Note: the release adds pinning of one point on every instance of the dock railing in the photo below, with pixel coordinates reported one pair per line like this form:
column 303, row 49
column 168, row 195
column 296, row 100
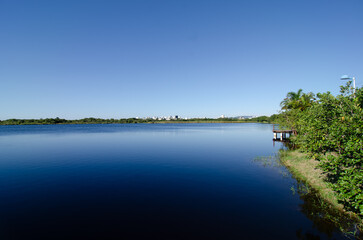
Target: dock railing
column 282, row 133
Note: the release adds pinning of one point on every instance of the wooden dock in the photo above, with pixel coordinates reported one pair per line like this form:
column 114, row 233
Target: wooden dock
column 282, row 134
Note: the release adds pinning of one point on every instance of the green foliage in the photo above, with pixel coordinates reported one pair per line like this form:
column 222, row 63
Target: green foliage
column 330, row 129
column 297, row 100
column 261, row 119
column 64, row 121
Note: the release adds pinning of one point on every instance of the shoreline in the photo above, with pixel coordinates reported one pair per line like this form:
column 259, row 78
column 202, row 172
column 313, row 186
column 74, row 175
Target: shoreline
column 306, row 169
column 92, row 120
column 156, row 122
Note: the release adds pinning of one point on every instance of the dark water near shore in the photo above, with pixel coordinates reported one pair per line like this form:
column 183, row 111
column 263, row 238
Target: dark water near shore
column 147, row 181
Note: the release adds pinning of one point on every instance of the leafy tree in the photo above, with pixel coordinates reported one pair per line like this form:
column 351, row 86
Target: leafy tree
column 330, row 129
column 297, row 100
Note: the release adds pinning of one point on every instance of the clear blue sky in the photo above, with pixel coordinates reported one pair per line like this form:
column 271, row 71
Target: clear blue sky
column 117, row 59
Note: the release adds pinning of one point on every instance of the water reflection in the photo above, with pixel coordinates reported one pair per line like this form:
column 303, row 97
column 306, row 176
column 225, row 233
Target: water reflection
column 300, row 234
column 325, row 218
column 173, row 181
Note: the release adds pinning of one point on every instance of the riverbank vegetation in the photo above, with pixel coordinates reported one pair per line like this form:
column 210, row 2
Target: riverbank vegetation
column 261, row 119
column 307, row 169
column 329, row 133
column 323, row 203
column 319, row 202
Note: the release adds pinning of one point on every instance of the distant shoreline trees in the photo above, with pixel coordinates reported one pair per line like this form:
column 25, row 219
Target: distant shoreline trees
column 52, row 121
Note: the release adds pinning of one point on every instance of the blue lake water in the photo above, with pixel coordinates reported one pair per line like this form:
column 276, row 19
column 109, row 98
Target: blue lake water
column 147, row 181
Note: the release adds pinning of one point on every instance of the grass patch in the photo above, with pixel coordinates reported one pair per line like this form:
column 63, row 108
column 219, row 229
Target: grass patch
column 307, row 170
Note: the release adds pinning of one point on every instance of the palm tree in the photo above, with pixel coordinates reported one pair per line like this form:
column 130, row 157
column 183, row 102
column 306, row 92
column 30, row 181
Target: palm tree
column 306, row 100
column 291, row 100
column 297, row 100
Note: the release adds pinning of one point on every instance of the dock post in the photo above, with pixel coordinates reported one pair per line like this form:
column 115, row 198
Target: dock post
column 275, row 135
column 281, row 137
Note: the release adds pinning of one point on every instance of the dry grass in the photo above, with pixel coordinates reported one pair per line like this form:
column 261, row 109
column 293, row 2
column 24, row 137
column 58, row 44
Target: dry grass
column 307, row 170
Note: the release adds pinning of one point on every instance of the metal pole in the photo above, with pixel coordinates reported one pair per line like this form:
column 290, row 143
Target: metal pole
column 353, row 85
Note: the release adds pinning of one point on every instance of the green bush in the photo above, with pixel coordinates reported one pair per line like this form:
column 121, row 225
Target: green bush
column 330, row 130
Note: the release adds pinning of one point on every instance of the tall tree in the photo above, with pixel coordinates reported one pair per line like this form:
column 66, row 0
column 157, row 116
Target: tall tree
column 297, row 100
column 291, row 100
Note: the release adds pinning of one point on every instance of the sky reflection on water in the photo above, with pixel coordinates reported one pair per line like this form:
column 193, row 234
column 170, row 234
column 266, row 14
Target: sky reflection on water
column 161, row 181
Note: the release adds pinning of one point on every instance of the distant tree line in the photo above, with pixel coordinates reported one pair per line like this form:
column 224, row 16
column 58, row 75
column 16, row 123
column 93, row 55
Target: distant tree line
column 91, row 120
column 48, row 121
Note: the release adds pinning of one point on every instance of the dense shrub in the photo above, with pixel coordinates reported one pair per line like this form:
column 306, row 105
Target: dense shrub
column 330, row 129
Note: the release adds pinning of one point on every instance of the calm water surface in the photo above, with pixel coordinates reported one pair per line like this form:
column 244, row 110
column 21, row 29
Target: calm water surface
column 147, row 181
